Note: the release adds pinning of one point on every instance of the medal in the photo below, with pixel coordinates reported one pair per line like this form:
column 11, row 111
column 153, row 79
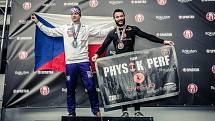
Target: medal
column 75, row 43
column 120, row 44
column 75, row 35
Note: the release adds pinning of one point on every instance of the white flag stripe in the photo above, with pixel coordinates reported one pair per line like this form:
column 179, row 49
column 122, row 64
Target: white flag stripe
column 99, row 22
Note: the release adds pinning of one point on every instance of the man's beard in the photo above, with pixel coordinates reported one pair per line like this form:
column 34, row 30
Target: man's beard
column 120, row 25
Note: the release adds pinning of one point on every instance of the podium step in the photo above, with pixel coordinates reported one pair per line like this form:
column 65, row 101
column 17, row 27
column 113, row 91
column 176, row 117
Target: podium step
column 67, row 118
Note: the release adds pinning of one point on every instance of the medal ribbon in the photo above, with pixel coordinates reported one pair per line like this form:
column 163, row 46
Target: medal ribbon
column 75, row 35
column 123, row 32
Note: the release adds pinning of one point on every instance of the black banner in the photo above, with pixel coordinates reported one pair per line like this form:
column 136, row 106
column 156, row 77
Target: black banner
column 138, row 76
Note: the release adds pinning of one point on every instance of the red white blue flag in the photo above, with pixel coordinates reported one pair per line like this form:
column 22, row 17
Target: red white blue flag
column 49, row 51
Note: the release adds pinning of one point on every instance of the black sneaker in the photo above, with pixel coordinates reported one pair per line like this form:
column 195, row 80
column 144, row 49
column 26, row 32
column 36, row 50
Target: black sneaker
column 125, row 114
column 138, row 114
column 71, row 115
column 97, row 114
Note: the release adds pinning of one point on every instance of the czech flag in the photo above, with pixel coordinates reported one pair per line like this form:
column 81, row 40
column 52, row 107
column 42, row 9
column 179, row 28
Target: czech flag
column 49, row 51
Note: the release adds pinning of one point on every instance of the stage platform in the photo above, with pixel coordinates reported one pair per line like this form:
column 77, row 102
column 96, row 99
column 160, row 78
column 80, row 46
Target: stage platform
column 158, row 114
column 66, row 118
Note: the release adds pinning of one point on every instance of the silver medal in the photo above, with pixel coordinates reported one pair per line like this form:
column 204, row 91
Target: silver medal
column 74, row 43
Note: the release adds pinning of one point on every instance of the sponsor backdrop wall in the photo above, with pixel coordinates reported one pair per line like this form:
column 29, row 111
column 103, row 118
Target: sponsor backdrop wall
column 189, row 23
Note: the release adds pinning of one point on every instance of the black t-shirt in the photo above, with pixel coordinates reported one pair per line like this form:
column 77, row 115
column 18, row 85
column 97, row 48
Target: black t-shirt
column 128, row 40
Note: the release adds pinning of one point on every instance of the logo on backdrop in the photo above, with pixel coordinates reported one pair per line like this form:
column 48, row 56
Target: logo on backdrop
column 23, row 55
column 188, row 34
column 70, row 4
column 186, row 17
column 210, row 51
column 210, row 16
column 19, row 91
column 192, row 88
column 213, row 69
column 162, row 17
column 45, row 72
column 44, row 90
column 184, row 1
column 190, row 70
column 26, row 5
column 139, row 18
column 164, row 34
column 115, row 2
column 93, row 3
column 138, row 1
column 24, row 22
column 22, row 73
column 208, row 0
column 161, row 2
column 189, row 51
column 24, row 38
column 210, row 34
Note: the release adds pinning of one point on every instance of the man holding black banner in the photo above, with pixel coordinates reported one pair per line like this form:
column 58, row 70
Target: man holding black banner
column 123, row 37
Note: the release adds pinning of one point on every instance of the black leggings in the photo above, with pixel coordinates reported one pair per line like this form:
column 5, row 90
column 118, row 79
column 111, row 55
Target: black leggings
column 136, row 107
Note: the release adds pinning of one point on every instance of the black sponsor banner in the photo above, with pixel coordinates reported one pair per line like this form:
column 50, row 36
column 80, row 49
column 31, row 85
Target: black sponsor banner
column 138, row 76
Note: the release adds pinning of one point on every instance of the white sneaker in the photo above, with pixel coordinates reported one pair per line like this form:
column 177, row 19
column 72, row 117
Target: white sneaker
column 125, row 114
column 138, row 114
